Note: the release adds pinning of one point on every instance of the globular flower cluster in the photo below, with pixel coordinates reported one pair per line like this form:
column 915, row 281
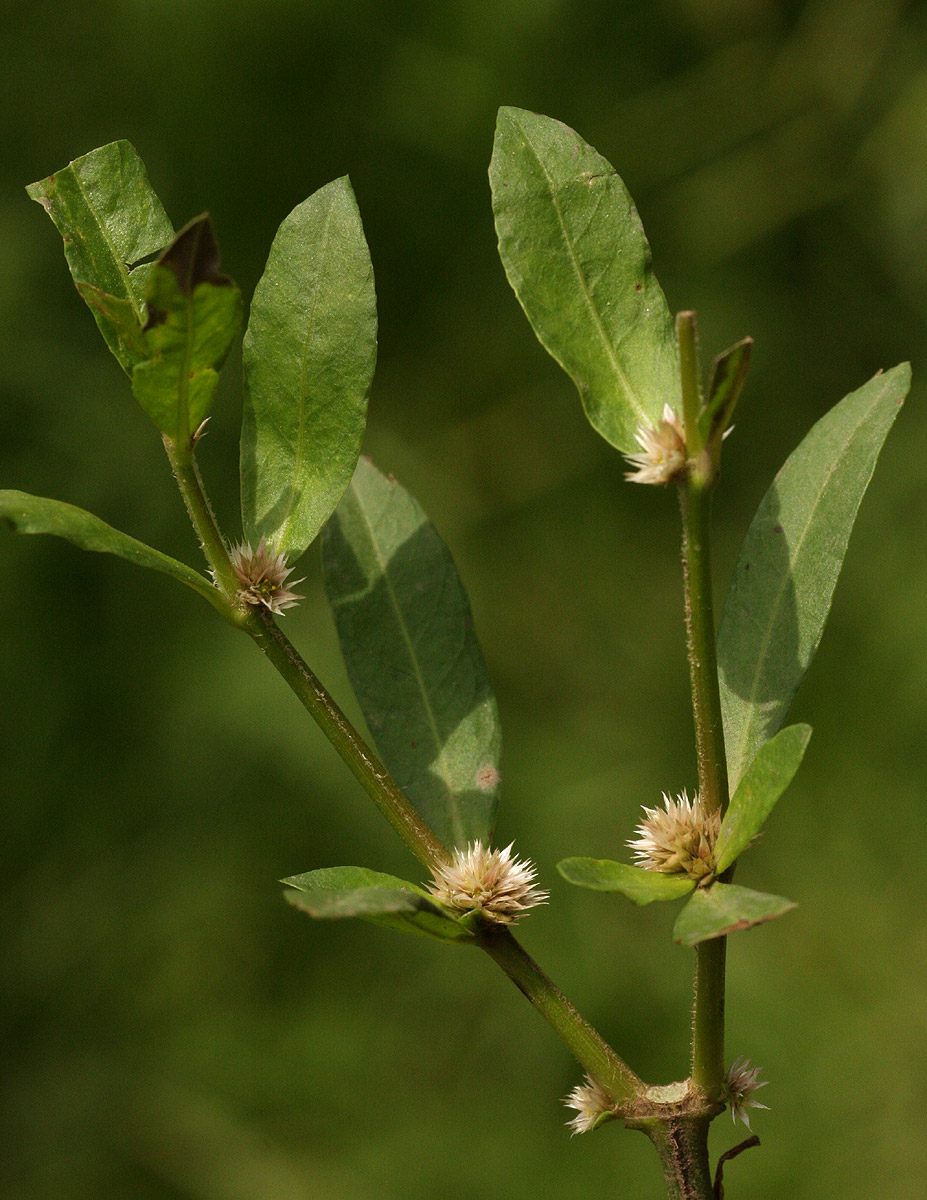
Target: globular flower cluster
column 262, row 575
column 739, row 1086
column 662, row 454
column 678, row 838
column 496, row 883
column 591, row 1103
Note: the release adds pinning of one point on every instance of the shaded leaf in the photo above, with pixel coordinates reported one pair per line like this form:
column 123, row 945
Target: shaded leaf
column 636, row 883
column 336, row 893
column 785, row 576
column 762, row 784
column 35, row 514
column 112, row 224
column 309, row 355
column 724, row 908
column 576, row 256
column 194, row 313
column 727, row 380
column 412, row 655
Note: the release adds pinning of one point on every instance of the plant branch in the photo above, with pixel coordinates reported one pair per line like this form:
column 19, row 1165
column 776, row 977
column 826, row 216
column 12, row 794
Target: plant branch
column 586, row 1044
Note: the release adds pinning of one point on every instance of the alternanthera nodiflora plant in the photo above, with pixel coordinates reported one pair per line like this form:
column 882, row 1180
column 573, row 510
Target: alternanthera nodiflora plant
column 575, row 253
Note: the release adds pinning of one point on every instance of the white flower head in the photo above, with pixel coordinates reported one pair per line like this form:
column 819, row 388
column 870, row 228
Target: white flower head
column 739, row 1086
column 678, row 838
column 499, row 885
column 662, row 454
column 262, row 575
column 592, row 1105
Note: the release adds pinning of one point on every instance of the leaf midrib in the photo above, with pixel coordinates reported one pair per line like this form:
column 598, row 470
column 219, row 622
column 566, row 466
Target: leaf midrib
column 750, row 699
column 596, row 317
column 404, row 629
column 121, row 266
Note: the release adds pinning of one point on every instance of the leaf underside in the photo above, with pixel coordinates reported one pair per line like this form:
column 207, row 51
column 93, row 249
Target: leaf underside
column 785, row 576
column 635, row 883
column 309, row 354
column 337, row 893
column 412, row 655
column 36, row 514
column 575, row 253
column 725, row 908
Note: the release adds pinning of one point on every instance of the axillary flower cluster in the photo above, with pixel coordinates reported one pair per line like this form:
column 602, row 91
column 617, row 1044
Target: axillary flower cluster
column 662, row 454
column 262, row 576
column 494, row 882
column 678, row 838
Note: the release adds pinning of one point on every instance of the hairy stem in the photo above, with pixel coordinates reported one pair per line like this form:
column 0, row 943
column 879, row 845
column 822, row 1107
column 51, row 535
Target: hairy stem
column 586, row 1044
column 682, row 1145
column 188, row 479
column 695, row 497
column 362, row 762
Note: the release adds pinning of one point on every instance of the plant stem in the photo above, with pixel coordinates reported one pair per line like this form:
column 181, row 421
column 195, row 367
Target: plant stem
column 592, row 1051
column 188, row 479
column 363, row 763
column 586, row 1044
column 683, row 1149
column 695, row 498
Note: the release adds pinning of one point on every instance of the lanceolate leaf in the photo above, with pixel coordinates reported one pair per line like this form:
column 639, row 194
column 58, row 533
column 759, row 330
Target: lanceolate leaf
column 575, row 253
column 309, row 355
column 724, row 908
column 113, row 224
column 35, row 514
column 637, row 884
column 785, row 577
column 194, row 312
column 412, row 655
column 763, row 783
column 336, row 893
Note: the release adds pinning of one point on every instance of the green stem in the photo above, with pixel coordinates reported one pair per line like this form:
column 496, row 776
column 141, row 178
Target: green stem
column 586, row 1044
column 592, row 1051
column 363, row 763
column 188, row 479
column 695, row 497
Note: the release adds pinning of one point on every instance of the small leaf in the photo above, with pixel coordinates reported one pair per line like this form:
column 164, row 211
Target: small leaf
column 763, row 783
column 335, row 893
column 576, row 256
column 785, row 577
column 727, row 380
column 35, row 514
column 112, row 224
column 637, row 884
column 194, row 313
column 723, row 908
column 412, row 655
column 309, row 355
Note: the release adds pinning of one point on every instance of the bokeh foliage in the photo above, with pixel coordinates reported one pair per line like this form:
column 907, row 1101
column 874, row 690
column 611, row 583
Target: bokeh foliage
column 173, row 1030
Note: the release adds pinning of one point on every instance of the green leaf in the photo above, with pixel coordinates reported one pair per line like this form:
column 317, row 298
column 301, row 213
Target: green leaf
column 194, row 312
column 576, row 256
column 335, row 893
column 724, row 908
column 637, row 884
column 727, row 380
column 35, row 514
column 112, row 224
column 785, row 577
column 412, row 655
column 763, row 783
column 309, row 356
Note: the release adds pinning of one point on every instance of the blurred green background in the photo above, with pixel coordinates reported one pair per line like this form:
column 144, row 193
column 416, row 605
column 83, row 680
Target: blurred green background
column 172, row 1030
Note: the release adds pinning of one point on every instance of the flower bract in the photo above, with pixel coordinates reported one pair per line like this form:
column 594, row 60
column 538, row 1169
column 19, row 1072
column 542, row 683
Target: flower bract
column 662, row 454
column 263, row 576
column 677, row 838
